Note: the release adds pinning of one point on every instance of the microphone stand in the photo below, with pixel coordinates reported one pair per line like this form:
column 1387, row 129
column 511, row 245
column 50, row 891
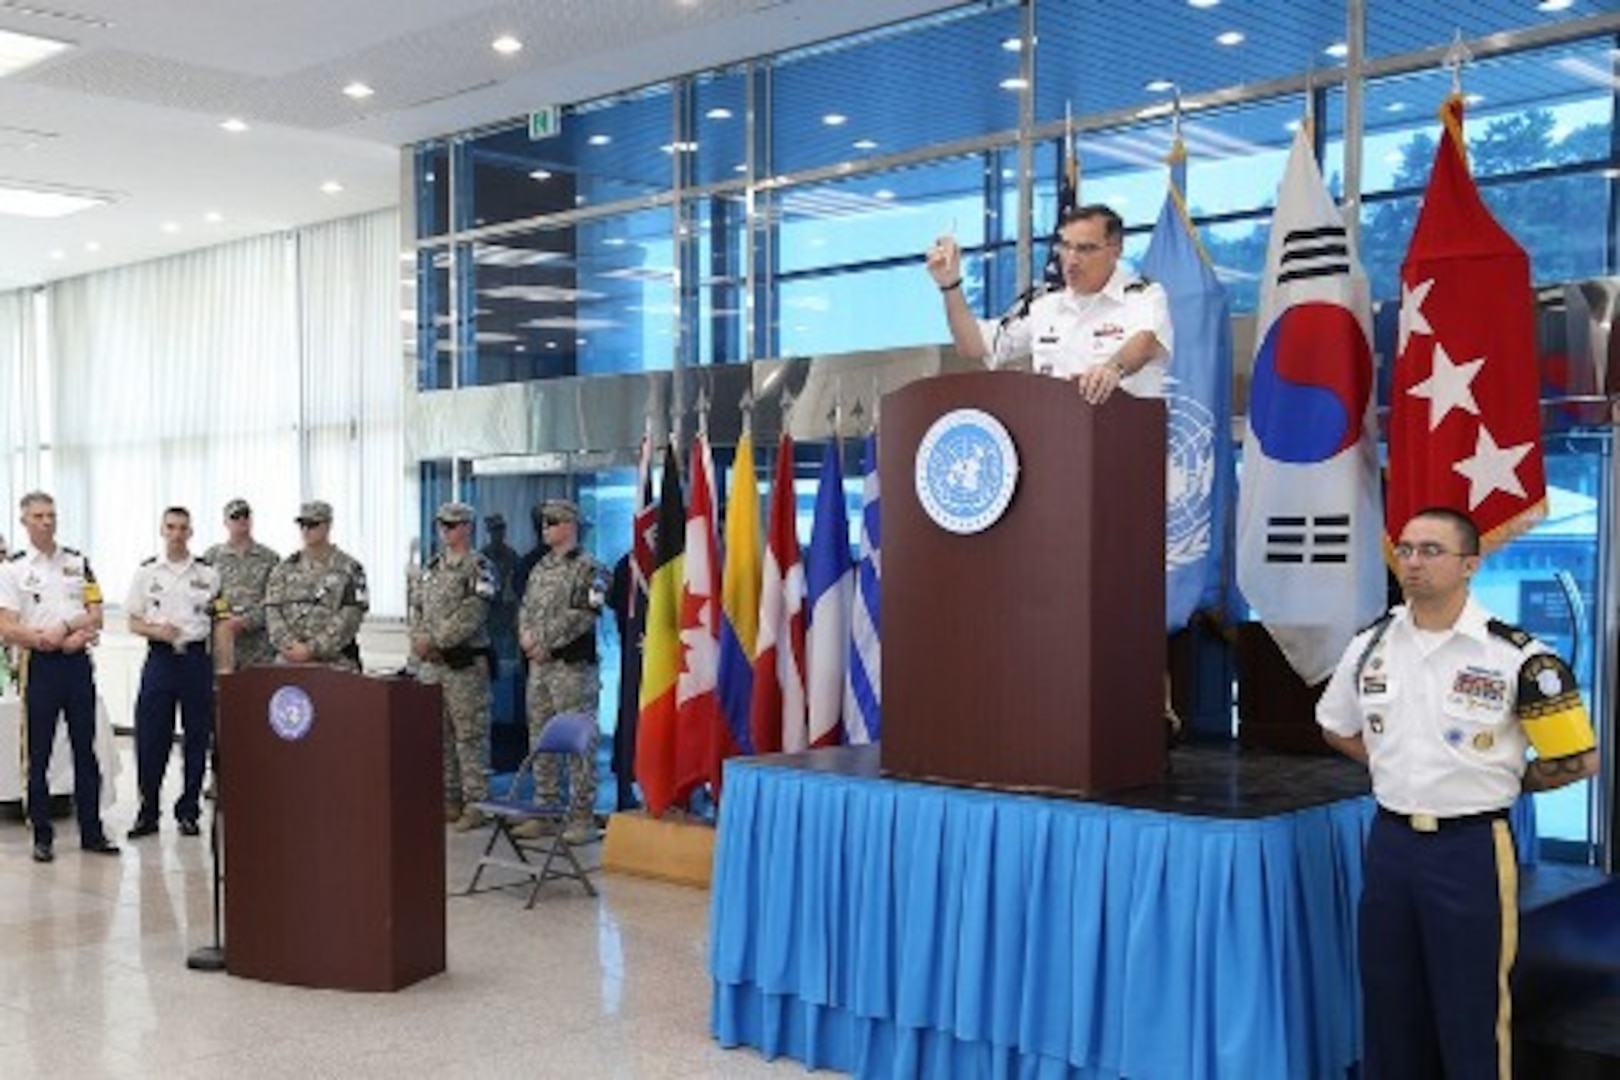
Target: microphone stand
column 211, row 957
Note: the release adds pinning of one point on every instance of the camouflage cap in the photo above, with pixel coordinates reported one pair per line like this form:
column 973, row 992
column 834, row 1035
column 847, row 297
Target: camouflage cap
column 454, row 513
column 238, row 508
column 314, row 512
column 560, row 510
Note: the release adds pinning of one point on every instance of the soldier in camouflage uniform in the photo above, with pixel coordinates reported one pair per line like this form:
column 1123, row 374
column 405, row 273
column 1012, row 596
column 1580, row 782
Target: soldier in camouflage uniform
column 557, row 632
column 316, row 598
column 450, row 638
column 244, row 567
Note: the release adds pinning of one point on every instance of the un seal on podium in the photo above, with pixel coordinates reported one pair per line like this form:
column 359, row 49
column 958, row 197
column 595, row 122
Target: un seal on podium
column 292, row 713
column 966, row 471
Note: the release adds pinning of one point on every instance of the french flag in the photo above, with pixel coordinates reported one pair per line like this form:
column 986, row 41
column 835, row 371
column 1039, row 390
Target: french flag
column 830, row 585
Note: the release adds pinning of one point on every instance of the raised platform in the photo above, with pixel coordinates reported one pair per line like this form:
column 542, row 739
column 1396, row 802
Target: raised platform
column 678, row 850
column 1202, row 926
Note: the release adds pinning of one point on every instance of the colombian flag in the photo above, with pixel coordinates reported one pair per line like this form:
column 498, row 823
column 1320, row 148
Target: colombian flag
column 739, row 602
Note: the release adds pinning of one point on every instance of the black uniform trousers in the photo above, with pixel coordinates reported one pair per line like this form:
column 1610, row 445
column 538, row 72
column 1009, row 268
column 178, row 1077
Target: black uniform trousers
column 1438, row 935
column 173, row 678
column 62, row 684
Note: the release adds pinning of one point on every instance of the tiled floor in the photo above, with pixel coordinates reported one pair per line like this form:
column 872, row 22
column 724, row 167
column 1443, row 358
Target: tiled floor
column 93, row 980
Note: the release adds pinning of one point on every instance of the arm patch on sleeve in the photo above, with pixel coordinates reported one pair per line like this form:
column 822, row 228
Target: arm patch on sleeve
column 1551, row 710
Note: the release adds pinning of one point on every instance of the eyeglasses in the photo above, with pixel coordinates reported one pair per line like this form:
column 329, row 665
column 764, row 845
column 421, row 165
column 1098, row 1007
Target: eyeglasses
column 1425, row 551
column 1084, row 247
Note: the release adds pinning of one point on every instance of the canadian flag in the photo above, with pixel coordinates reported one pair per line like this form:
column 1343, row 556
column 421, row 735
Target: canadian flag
column 1465, row 421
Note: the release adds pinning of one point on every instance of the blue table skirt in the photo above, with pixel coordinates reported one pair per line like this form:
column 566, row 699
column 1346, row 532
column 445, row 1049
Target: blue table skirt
column 886, row 928
column 894, row 929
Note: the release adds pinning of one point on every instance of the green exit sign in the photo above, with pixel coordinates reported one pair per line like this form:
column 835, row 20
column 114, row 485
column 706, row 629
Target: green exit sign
column 544, row 123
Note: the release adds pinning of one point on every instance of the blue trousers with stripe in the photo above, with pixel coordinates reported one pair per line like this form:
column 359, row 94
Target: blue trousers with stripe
column 169, row 679
column 1438, row 934
column 58, row 684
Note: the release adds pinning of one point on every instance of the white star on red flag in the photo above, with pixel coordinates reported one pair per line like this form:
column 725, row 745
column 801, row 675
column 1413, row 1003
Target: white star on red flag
column 1412, row 320
column 1449, row 386
column 1492, row 468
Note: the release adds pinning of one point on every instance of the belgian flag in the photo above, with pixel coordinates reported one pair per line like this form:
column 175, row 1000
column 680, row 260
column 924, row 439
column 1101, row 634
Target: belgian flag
column 661, row 657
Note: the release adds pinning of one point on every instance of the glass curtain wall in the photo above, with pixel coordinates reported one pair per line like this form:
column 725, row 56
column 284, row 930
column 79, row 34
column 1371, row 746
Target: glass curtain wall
column 779, row 207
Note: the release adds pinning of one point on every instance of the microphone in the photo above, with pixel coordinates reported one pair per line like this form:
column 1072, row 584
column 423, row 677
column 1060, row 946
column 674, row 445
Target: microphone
column 1019, row 308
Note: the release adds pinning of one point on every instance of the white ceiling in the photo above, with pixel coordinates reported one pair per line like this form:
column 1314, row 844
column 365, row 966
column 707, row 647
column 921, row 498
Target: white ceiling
column 133, row 110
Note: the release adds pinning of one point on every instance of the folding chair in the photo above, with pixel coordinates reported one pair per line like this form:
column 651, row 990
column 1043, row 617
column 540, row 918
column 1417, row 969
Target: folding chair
column 564, row 734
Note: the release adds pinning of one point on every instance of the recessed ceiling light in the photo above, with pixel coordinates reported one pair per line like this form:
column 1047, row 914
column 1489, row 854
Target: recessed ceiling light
column 1202, row 3
column 58, row 254
column 883, row 193
column 739, row 168
column 1231, row 37
column 18, row 51
column 506, row 45
column 234, row 125
column 1338, row 50
column 213, row 217
column 718, row 114
column 833, row 119
column 1473, row 99
column 1159, row 86
column 1555, row 5
column 358, row 90
column 599, row 140
column 331, row 187
column 171, row 227
column 1395, row 107
column 92, row 245
column 540, row 174
column 23, row 200
column 1014, row 83
column 1292, row 125
column 865, row 144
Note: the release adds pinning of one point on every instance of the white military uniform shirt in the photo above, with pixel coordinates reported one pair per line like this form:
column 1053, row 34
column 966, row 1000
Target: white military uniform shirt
column 46, row 590
column 1066, row 332
column 176, row 594
column 1437, row 713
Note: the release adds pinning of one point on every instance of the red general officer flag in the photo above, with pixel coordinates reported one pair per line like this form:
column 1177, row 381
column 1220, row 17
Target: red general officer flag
column 1465, row 418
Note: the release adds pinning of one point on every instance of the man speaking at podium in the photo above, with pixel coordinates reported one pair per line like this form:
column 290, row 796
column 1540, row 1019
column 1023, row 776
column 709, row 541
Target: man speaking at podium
column 1105, row 329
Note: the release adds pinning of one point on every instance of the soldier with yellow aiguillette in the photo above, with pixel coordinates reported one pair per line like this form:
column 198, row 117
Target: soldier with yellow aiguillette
column 557, row 632
column 450, row 640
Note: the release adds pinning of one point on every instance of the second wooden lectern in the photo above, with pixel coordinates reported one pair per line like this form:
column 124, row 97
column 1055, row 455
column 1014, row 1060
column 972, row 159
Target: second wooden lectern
column 1029, row 655
column 331, row 794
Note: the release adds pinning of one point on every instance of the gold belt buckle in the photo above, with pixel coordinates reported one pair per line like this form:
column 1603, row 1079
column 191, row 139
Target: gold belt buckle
column 1424, row 823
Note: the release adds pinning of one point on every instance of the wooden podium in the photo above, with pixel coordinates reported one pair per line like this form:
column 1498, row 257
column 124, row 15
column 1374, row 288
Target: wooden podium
column 1031, row 655
column 331, row 801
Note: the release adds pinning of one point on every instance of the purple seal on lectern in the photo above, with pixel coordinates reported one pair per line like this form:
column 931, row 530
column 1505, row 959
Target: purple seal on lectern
column 292, row 714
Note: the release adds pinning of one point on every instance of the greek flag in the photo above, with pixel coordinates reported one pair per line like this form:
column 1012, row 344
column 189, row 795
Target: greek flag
column 863, row 690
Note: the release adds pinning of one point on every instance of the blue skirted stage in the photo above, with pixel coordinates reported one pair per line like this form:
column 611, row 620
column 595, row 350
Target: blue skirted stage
column 1202, row 928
